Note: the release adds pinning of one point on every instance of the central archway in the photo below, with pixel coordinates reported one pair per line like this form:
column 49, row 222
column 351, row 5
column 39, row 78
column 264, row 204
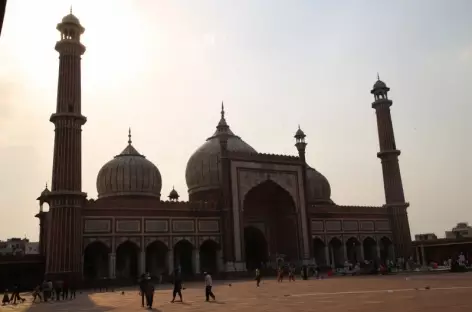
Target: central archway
column 156, row 258
column 255, row 248
column 127, row 260
column 96, row 260
column 272, row 208
column 183, row 257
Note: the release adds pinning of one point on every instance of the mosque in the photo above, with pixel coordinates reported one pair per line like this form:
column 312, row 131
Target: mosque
column 245, row 210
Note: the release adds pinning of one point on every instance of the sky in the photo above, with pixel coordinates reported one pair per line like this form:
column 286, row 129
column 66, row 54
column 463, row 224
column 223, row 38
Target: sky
column 164, row 67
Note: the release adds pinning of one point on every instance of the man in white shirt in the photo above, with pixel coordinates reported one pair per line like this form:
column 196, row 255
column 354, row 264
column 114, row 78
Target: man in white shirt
column 208, row 286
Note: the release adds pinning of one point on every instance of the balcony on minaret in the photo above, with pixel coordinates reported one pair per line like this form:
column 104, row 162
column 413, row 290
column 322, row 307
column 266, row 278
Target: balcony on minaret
column 71, row 30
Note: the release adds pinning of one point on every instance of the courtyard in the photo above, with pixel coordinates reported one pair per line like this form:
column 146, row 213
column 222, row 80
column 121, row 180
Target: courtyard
column 438, row 292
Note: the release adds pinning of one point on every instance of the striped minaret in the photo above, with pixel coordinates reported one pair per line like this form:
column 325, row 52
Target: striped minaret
column 64, row 248
column 394, row 196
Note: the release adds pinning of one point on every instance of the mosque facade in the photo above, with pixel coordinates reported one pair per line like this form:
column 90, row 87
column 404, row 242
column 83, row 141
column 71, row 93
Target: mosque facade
column 245, row 210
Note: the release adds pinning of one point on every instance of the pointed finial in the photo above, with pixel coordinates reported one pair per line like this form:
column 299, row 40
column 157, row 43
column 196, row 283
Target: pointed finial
column 378, row 77
column 173, row 187
column 71, row 9
column 222, row 110
column 46, row 185
column 129, row 136
column 299, row 127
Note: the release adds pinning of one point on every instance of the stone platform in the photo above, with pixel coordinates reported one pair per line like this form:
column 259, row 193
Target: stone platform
column 447, row 292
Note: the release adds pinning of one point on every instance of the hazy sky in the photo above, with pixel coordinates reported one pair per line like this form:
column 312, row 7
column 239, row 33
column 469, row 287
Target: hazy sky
column 163, row 68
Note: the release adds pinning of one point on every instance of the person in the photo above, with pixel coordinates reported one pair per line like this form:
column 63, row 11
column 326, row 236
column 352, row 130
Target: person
column 50, row 290
column 149, row 294
column 143, row 285
column 58, row 289
column 37, row 293
column 208, row 286
column 16, row 294
column 177, row 286
column 5, row 299
column 72, row 288
column 291, row 275
column 280, row 275
column 65, row 290
column 258, row 277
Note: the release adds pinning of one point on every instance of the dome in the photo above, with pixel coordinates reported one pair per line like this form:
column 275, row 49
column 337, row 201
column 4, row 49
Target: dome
column 318, row 188
column 173, row 195
column 379, row 84
column 203, row 167
column 70, row 19
column 129, row 173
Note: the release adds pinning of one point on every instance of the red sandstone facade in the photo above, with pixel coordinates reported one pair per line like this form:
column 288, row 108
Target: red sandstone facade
column 245, row 209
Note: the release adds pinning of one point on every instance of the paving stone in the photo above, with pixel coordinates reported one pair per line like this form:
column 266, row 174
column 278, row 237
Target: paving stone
column 448, row 292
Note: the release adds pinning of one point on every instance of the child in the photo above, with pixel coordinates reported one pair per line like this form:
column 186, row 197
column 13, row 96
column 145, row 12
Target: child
column 6, row 299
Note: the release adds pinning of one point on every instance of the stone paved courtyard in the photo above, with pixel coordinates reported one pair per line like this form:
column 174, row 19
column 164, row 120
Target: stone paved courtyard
column 448, row 292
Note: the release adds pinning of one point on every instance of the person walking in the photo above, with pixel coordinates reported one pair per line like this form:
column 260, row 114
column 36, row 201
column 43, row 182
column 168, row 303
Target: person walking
column 6, row 299
column 143, row 283
column 37, row 293
column 177, row 286
column 258, row 277
column 16, row 294
column 149, row 294
column 208, row 286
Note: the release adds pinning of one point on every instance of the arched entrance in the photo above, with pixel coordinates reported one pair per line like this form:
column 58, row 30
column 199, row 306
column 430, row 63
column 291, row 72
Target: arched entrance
column 270, row 207
column 353, row 249
column 96, row 260
column 209, row 256
column 255, row 248
column 183, row 252
column 127, row 260
column 336, row 252
column 386, row 249
column 370, row 249
column 319, row 248
column 156, row 258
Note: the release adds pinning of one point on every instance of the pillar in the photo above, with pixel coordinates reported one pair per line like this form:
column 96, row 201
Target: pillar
column 327, row 254
column 220, row 261
column 378, row 251
column 111, row 265
column 170, row 260
column 333, row 260
column 196, row 261
column 142, row 262
column 345, row 252
column 423, row 257
column 361, row 249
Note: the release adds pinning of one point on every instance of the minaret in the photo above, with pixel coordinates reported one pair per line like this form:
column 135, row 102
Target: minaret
column 394, row 196
column 300, row 143
column 64, row 252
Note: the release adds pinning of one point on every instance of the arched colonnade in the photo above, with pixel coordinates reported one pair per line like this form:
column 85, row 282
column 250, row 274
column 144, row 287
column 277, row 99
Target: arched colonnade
column 340, row 249
column 129, row 260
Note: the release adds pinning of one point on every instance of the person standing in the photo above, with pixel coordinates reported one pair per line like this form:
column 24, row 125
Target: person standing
column 37, row 293
column 149, row 294
column 142, row 288
column 258, row 277
column 65, row 290
column 5, row 299
column 177, row 286
column 208, row 286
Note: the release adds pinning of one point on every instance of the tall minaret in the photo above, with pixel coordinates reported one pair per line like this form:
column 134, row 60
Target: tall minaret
column 63, row 258
column 394, row 196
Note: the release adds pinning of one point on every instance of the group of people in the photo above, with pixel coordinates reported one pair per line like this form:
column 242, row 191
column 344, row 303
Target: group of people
column 15, row 296
column 147, row 289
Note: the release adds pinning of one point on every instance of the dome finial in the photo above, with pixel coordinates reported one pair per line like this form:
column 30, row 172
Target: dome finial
column 129, row 136
column 222, row 110
column 46, row 185
column 378, row 76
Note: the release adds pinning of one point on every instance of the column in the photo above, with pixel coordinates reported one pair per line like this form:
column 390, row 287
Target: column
column 361, row 248
column 345, row 252
column 196, row 261
column 333, row 260
column 219, row 260
column 170, row 260
column 111, row 265
column 423, row 258
column 142, row 262
column 327, row 254
column 378, row 251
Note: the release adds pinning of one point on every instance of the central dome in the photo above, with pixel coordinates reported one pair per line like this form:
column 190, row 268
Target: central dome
column 203, row 168
column 129, row 174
